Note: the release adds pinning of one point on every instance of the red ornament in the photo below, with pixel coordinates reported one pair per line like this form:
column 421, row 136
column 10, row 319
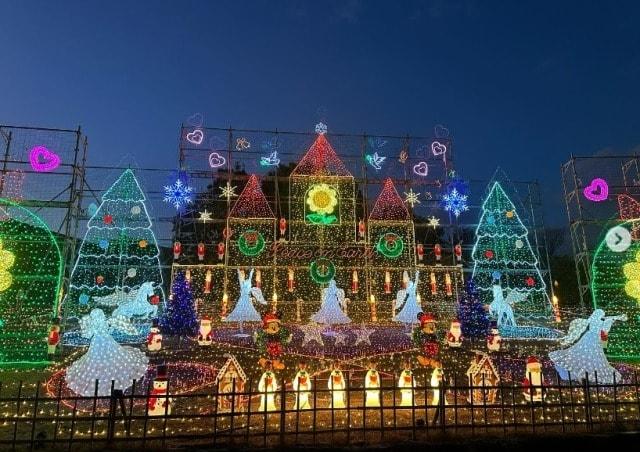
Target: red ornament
column 177, row 249
column 274, row 349
column 201, row 251
column 155, row 299
column 283, row 226
column 458, row 252
column 108, row 219
column 430, row 349
column 437, row 250
column 420, row 251
column 489, row 254
column 530, row 281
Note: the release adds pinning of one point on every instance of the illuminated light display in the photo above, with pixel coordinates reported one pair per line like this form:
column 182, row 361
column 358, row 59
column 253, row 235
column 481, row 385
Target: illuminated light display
column 472, row 314
column 434, row 222
column 454, row 202
column 244, row 311
column 322, row 201
column 597, row 190
column 43, row 160
column 123, row 267
column 407, row 303
column 180, row 193
column 403, row 156
column 251, row 243
column 629, row 209
column 30, row 278
column 216, row 160
column 242, row 143
column 180, row 318
column 613, row 277
column 332, row 310
column 228, row 191
column 322, row 270
column 271, row 160
column 411, row 198
column 195, row 137
column 375, row 160
column 390, row 245
column 205, row 216
column 421, row 169
column 438, row 148
column 321, row 128
column 495, row 250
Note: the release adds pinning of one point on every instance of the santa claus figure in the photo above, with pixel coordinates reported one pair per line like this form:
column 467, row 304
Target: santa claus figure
column 454, row 336
column 268, row 385
column 406, row 383
column 372, row 385
column 53, row 338
column 426, row 338
column 337, row 386
column 302, row 385
column 154, row 339
column 205, row 337
column 494, row 340
column 533, row 381
column 159, row 404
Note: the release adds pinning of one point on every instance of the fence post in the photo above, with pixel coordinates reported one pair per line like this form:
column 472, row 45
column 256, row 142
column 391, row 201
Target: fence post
column 615, row 399
column 35, row 414
column 111, row 422
column 283, row 411
column 587, row 402
column 233, row 410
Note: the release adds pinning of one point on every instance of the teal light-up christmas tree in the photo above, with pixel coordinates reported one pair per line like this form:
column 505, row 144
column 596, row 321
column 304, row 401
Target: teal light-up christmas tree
column 503, row 255
column 119, row 252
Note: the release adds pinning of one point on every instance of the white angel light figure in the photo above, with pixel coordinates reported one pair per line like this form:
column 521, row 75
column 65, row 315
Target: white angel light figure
column 244, row 311
column 586, row 356
column 105, row 361
column 331, row 311
column 407, row 302
column 502, row 308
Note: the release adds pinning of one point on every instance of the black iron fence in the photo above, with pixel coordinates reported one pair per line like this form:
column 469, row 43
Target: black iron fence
column 35, row 416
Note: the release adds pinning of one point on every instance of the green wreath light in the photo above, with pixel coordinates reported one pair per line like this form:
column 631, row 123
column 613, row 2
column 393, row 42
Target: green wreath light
column 322, row 270
column 390, row 245
column 251, row 246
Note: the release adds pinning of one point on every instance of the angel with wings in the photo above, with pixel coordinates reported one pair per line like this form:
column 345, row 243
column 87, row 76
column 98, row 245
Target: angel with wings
column 586, row 358
column 407, row 302
column 501, row 308
column 333, row 306
column 244, row 310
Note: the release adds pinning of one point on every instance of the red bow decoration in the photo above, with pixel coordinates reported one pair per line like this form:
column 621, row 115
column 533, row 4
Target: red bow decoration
column 274, row 349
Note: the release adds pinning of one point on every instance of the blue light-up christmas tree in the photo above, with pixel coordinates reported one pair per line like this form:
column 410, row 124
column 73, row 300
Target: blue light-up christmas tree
column 503, row 255
column 119, row 253
column 472, row 314
column 180, row 318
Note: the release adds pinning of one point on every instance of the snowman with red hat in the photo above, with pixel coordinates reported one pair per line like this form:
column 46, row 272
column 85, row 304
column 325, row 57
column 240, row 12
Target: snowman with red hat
column 158, row 403
column 205, row 336
column 425, row 337
column 154, row 339
column 454, row 336
column 494, row 340
column 272, row 339
column 533, row 381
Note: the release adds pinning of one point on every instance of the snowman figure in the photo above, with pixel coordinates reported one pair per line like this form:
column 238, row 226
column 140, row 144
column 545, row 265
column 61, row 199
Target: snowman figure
column 454, row 336
column 372, row 385
column 494, row 340
column 158, row 403
column 437, row 376
column 204, row 333
column 154, row 339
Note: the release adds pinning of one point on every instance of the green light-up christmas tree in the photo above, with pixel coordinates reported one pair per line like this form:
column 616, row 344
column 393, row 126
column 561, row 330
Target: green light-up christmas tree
column 503, row 255
column 118, row 255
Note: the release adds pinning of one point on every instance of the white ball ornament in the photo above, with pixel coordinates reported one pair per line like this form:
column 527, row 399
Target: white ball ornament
column 519, row 243
column 132, row 272
column 135, row 210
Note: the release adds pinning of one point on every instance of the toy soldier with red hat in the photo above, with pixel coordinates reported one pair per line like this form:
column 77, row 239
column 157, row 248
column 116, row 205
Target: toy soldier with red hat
column 425, row 337
column 533, row 381
column 159, row 403
column 272, row 338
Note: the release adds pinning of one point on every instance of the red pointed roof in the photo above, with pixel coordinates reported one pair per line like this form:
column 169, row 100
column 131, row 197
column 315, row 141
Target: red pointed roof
column 389, row 205
column 321, row 160
column 251, row 203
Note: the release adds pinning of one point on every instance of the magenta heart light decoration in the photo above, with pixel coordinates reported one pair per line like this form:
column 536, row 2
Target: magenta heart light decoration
column 421, row 169
column 43, row 160
column 438, row 148
column 195, row 137
column 597, row 190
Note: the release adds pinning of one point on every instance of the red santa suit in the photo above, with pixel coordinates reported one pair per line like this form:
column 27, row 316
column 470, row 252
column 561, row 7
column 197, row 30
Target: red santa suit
column 154, row 339
column 454, row 336
column 494, row 340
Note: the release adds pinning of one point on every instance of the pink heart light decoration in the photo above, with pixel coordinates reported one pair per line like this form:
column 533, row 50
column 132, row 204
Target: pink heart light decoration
column 43, row 160
column 438, row 148
column 195, row 137
column 597, row 190
column 421, row 169
column 216, row 160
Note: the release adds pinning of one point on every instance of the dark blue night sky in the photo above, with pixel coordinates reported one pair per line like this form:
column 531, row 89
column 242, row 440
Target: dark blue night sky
column 520, row 86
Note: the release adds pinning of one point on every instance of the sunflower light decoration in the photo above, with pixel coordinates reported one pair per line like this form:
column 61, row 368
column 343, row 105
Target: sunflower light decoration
column 322, row 200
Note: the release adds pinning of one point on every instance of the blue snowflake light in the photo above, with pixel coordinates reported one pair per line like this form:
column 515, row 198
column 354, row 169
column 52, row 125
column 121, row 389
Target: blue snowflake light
column 179, row 194
column 454, row 202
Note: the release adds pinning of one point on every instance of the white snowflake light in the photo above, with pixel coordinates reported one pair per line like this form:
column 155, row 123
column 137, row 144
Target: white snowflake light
column 455, row 202
column 228, row 191
column 205, row 216
column 179, row 194
column 321, row 128
column 434, row 222
column 411, row 198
